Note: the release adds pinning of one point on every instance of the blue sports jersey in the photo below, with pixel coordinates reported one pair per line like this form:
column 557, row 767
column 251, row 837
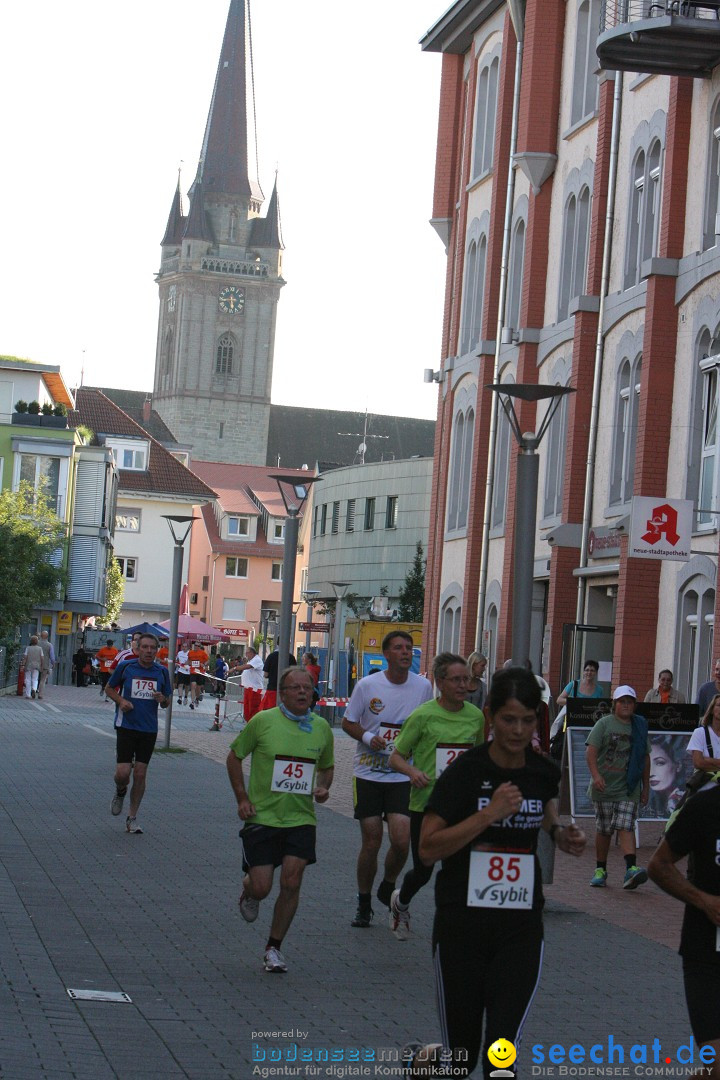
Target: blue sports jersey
column 137, row 684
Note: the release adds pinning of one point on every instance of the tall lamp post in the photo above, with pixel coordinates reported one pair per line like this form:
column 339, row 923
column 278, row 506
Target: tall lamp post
column 176, row 523
column 526, row 502
column 294, row 491
column 339, row 588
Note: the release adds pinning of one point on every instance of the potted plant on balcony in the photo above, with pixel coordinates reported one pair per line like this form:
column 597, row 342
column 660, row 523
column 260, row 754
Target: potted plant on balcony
column 54, row 416
column 25, row 414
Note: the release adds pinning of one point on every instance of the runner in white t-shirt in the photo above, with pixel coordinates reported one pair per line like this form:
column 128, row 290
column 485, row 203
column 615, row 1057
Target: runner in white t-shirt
column 379, row 706
column 182, row 674
column 252, row 682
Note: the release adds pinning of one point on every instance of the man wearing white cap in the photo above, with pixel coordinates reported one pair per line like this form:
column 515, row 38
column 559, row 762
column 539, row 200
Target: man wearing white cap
column 618, row 756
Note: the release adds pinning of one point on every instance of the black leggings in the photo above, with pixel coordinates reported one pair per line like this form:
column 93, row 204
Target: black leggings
column 487, row 964
column 420, row 874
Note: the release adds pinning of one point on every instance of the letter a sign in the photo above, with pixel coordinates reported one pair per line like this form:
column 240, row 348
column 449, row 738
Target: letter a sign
column 660, row 528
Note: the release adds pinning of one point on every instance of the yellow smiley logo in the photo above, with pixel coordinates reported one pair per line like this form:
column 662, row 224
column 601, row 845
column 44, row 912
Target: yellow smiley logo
column 502, row 1053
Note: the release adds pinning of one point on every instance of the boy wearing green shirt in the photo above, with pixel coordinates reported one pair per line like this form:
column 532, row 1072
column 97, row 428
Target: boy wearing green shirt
column 434, row 735
column 618, row 757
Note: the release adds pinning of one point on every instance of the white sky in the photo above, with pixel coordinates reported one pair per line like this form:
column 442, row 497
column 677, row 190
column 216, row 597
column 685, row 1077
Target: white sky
column 101, row 102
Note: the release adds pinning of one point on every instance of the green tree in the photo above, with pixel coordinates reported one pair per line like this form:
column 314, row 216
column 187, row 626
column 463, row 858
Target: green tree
column 30, row 536
column 412, row 594
column 114, row 593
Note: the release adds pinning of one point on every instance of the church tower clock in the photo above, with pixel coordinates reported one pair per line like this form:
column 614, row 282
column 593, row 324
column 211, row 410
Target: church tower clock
column 219, row 280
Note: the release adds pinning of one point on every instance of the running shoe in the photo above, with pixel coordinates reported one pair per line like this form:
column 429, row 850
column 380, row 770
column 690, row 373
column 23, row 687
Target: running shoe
column 599, row 878
column 191, row 705
column 274, row 960
column 399, row 919
column 117, row 803
column 179, row 701
column 363, row 917
column 634, row 876
column 132, row 826
column 249, row 907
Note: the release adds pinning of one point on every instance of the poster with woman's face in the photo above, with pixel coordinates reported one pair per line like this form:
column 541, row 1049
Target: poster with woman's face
column 670, row 767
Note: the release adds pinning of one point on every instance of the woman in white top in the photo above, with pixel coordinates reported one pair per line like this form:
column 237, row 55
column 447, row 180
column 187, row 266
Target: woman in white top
column 697, row 745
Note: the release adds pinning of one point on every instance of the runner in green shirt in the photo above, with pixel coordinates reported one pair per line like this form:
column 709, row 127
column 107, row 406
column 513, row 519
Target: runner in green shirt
column 434, row 735
column 292, row 766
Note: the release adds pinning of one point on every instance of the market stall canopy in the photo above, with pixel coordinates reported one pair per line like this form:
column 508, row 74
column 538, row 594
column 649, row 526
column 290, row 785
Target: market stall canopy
column 147, row 628
column 188, row 627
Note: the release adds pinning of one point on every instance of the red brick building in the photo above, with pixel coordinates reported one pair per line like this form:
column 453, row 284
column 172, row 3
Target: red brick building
column 540, row 145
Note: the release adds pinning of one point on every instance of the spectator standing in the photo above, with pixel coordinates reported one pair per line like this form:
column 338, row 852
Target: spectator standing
column 270, row 668
column 709, row 689
column 665, row 693
column 48, row 661
column 31, row 664
column 618, row 756
column 310, row 663
column 251, row 680
column 476, row 688
column 587, row 687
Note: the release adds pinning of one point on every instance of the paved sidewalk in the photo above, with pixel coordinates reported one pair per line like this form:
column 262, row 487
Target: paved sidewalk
column 83, row 905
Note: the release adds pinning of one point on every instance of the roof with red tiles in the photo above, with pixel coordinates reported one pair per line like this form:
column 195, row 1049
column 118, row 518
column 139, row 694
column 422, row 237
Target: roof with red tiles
column 259, row 547
column 232, row 482
column 165, row 475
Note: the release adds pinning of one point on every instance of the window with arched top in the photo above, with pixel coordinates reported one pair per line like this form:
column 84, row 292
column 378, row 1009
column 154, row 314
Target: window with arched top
column 515, row 275
column 711, row 229
column 473, row 287
column 703, row 464
column 644, row 211
column 224, row 355
column 576, row 234
column 167, row 352
column 485, row 114
column 627, row 404
column 502, row 467
column 449, row 636
column 585, row 83
column 233, row 226
column 461, row 468
column 555, row 441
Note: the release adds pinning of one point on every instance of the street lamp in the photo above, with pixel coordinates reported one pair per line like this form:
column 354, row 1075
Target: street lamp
column 294, row 491
column 339, row 588
column 526, row 502
column 175, row 524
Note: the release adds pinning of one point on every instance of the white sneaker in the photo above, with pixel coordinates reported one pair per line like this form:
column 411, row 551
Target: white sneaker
column 132, row 826
column 117, row 804
column 249, row 907
column 399, row 918
column 274, row 961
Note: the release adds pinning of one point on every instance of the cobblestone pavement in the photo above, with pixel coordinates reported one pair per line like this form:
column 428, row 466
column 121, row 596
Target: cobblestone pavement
column 85, row 906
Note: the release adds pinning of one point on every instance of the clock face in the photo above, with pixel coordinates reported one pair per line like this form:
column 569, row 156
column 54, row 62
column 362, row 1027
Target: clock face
column 231, row 300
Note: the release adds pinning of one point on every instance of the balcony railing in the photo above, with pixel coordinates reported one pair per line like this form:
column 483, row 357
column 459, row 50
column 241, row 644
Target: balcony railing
column 660, row 37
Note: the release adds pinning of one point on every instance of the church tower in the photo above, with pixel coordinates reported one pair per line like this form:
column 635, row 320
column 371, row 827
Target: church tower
column 220, row 279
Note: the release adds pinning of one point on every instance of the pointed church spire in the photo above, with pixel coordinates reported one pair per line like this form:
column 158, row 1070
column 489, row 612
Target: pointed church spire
column 197, row 223
column 229, row 143
column 176, row 221
column 266, row 230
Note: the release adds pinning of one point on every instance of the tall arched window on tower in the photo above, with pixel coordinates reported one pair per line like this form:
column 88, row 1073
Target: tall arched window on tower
column 224, row 356
column 233, row 226
column 167, row 351
column 626, row 423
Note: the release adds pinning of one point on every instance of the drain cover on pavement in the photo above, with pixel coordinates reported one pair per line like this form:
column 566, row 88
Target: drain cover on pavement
column 100, row 995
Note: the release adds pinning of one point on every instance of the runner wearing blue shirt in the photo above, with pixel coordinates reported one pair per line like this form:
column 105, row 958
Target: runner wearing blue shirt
column 137, row 687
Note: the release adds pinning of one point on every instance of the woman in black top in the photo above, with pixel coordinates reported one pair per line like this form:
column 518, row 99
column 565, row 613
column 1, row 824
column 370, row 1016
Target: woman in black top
column 483, row 820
